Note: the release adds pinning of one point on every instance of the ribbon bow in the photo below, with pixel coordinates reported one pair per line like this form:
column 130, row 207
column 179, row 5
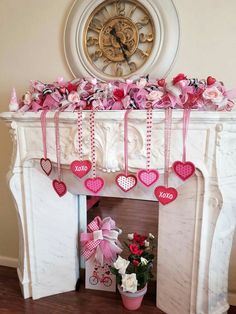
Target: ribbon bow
column 101, row 241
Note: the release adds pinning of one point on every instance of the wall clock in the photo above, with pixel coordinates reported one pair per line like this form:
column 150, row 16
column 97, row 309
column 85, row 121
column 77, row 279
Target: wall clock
column 116, row 39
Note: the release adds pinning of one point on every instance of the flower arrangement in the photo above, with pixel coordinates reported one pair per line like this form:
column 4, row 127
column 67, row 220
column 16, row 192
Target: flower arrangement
column 132, row 274
column 142, row 93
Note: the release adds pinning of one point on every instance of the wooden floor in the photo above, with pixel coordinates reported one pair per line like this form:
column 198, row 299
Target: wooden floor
column 144, row 219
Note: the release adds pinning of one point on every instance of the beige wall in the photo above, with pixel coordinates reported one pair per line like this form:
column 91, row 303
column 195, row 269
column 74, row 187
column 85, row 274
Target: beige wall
column 31, row 34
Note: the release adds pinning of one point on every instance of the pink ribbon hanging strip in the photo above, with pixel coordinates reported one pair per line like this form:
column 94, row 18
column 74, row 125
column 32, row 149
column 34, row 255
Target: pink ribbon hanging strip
column 101, row 241
column 80, row 133
column 44, row 132
column 93, row 149
column 126, row 140
column 58, row 147
column 186, row 119
column 167, row 139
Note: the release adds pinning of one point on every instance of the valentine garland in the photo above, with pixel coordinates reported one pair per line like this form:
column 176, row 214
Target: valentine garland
column 93, row 95
column 142, row 93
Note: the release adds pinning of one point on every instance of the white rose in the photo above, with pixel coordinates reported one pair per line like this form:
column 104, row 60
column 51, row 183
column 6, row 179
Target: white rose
column 121, row 264
column 154, row 95
column 151, row 236
column 74, row 98
column 213, row 94
column 146, row 243
column 144, row 261
column 129, row 282
column 130, row 236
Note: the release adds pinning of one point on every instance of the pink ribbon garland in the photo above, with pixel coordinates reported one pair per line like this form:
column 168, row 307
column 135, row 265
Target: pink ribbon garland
column 58, row 146
column 167, row 137
column 101, row 241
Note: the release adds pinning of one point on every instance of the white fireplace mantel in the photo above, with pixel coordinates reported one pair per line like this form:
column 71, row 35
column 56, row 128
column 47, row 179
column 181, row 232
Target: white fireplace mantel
column 195, row 231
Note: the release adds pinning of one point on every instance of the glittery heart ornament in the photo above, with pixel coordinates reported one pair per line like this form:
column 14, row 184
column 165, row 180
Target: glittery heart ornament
column 80, row 167
column 165, row 195
column 94, row 184
column 59, row 187
column 46, row 165
column 148, row 177
column 183, row 170
column 126, row 182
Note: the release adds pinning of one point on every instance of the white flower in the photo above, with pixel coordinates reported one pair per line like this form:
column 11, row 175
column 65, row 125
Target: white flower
column 141, row 83
column 129, row 282
column 144, row 261
column 146, row 243
column 74, row 97
column 151, row 236
column 213, row 94
column 121, row 264
column 154, row 95
column 130, row 236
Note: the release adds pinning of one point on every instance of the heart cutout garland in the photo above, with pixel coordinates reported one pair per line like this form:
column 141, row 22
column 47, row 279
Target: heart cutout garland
column 80, row 167
column 46, row 165
column 148, row 177
column 59, row 187
column 94, row 184
column 165, row 195
column 183, row 170
column 126, row 182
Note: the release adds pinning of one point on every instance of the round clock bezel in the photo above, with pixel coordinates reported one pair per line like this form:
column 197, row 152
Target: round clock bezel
column 164, row 49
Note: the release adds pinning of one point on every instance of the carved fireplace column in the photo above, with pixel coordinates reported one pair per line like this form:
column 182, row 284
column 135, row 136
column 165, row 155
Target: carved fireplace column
column 195, row 232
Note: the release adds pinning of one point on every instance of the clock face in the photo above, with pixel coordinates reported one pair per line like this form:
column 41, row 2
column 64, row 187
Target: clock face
column 119, row 37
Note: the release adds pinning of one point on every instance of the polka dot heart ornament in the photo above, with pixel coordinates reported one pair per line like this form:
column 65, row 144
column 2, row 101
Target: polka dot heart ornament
column 148, row 176
column 58, row 185
column 45, row 162
column 125, row 181
column 80, row 167
column 166, row 194
column 94, row 184
column 184, row 169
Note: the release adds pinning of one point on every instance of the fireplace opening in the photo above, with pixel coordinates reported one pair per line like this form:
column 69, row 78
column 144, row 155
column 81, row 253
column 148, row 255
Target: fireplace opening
column 131, row 216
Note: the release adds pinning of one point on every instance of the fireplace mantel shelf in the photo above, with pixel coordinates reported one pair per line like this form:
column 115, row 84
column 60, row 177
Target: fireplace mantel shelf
column 195, row 231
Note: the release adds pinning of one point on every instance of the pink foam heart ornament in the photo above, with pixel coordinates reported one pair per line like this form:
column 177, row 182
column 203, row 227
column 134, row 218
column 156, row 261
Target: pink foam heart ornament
column 148, row 177
column 59, row 187
column 184, row 170
column 210, row 80
column 94, row 184
column 46, row 165
column 165, row 195
column 126, row 183
column 161, row 82
column 80, row 167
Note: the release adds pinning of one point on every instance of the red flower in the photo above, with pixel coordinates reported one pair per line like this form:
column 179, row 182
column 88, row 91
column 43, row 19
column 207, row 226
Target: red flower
column 135, row 262
column 178, row 78
column 118, row 94
column 71, row 87
column 139, row 238
column 135, row 249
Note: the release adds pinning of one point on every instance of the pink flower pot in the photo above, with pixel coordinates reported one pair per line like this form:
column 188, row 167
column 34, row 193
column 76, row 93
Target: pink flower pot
column 132, row 301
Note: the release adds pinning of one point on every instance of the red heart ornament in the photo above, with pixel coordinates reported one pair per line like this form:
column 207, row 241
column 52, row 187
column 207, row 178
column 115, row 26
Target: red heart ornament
column 165, row 195
column 148, row 177
column 161, row 82
column 126, row 183
column 210, row 80
column 184, row 170
column 80, row 167
column 94, row 184
column 59, row 187
column 46, row 165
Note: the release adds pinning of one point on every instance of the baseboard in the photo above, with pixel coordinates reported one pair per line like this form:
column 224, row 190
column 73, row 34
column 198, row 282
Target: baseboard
column 232, row 298
column 8, row 261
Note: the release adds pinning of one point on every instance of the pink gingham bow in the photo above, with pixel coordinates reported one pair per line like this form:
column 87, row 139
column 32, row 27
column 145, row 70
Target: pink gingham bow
column 101, row 240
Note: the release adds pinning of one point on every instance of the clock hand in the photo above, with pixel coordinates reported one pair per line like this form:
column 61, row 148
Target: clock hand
column 122, row 46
